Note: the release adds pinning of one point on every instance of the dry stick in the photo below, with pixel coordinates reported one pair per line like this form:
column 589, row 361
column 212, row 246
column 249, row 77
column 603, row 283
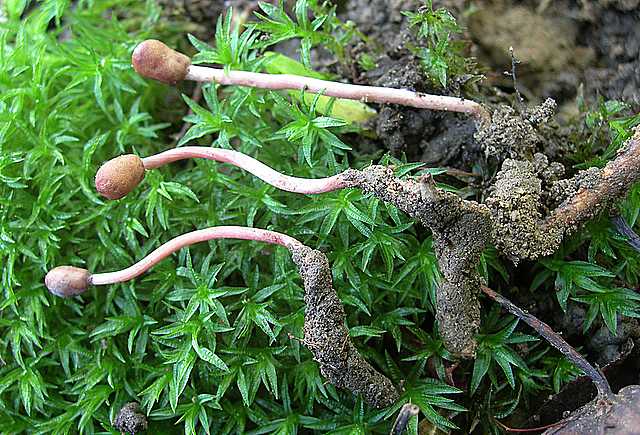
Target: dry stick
column 325, row 332
column 153, row 59
column 555, row 340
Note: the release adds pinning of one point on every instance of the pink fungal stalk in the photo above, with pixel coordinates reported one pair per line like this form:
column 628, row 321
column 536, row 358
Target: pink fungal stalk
column 115, row 179
column 249, row 164
column 66, row 281
column 153, row 59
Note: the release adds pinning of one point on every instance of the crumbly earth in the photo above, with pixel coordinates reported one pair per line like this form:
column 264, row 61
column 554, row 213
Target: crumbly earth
column 513, row 134
column 460, row 230
column 540, row 43
column 567, row 188
column 515, row 201
column 327, row 337
column 438, row 138
column 130, row 419
column 614, row 33
column 619, row 415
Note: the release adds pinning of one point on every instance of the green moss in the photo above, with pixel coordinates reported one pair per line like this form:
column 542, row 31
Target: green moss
column 210, row 337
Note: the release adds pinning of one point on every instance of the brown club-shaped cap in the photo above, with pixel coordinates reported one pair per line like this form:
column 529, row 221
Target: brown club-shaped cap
column 154, row 60
column 119, row 176
column 67, row 281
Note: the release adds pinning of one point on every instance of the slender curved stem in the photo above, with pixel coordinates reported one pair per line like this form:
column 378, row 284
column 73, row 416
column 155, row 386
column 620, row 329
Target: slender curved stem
column 259, row 169
column 173, row 245
column 554, row 339
column 362, row 93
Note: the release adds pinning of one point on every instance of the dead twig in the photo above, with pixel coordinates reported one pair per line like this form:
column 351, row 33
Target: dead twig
column 555, row 340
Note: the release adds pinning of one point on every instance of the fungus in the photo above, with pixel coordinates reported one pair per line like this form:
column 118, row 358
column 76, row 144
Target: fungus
column 119, row 176
column 461, row 228
column 325, row 333
column 67, row 281
column 155, row 60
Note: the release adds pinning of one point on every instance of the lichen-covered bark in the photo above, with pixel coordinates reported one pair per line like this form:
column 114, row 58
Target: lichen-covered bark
column 327, row 337
column 460, row 231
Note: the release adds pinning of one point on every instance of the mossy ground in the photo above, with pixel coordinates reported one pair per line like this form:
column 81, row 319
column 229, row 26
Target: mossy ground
column 211, row 338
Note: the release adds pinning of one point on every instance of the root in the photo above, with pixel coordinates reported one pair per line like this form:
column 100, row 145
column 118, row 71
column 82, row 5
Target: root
column 327, row 337
column 597, row 189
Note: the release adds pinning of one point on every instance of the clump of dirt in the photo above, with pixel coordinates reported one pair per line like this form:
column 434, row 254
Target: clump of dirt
column 608, row 346
column 515, row 202
column 604, row 346
column 523, row 228
column 615, row 35
column 550, row 59
column 327, row 337
column 567, row 188
column 381, row 20
column 438, row 138
column 513, row 134
column 130, row 419
column 540, row 43
column 563, row 44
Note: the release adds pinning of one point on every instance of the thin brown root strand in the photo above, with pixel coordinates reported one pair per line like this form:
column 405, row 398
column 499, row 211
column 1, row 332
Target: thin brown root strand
column 601, row 383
